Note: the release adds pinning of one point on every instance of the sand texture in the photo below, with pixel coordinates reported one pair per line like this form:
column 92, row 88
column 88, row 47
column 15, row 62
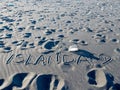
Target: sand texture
column 59, row 44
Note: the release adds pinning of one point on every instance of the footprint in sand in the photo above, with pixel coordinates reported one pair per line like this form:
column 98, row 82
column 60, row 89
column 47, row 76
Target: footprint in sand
column 1, row 29
column 18, row 81
column 97, row 77
column 7, row 49
column 32, row 81
column 115, row 87
column 48, row 32
column 20, row 29
column 31, row 45
column 87, row 29
column 27, row 35
column 6, row 36
column 117, row 50
column 2, row 44
column 1, row 22
column 17, row 43
column 24, row 45
column 100, row 38
column 50, row 44
column 75, row 41
column 33, row 21
column 32, row 27
column 115, row 40
column 7, row 28
column 83, row 43
column 43, row 40
column 49, row 82
column 1, row 81
column 60, row 36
